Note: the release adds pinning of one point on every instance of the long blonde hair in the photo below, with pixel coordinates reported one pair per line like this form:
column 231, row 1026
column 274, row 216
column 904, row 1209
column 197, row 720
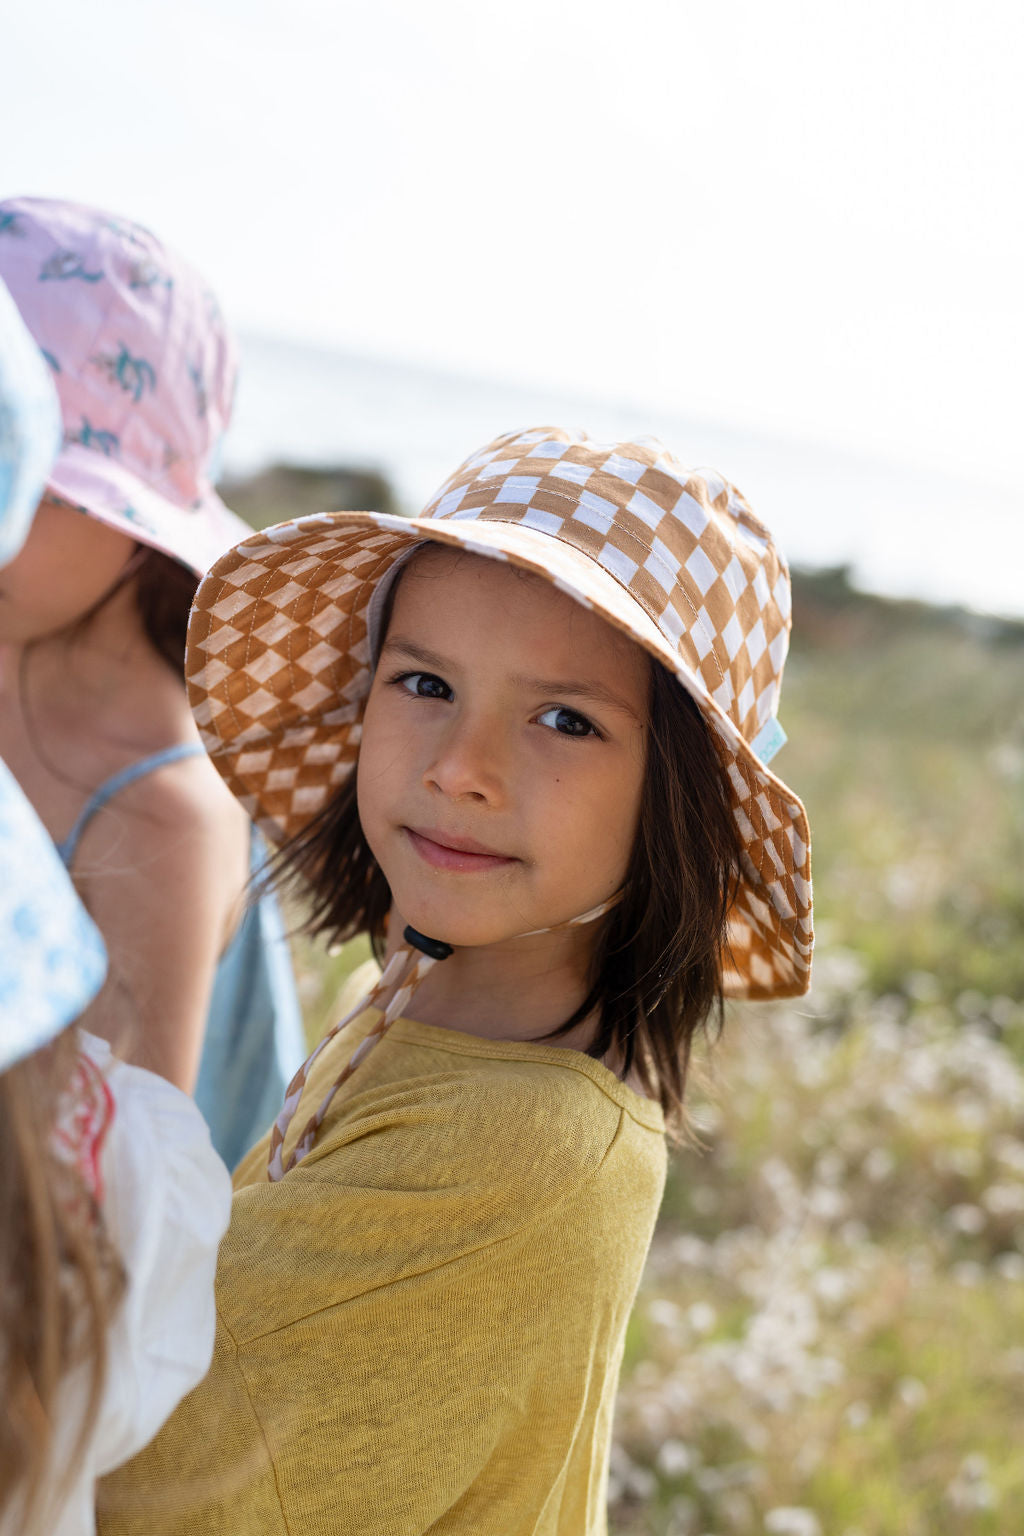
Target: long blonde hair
column 60, row 1281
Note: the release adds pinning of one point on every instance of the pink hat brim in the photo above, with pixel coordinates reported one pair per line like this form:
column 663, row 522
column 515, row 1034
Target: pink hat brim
column 195, row 535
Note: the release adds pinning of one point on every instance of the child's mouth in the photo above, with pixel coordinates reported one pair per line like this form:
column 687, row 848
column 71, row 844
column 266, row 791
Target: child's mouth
column 468, row 858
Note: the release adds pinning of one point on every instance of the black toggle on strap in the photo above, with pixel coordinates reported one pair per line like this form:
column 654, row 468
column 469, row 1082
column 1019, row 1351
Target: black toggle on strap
column 437, row 949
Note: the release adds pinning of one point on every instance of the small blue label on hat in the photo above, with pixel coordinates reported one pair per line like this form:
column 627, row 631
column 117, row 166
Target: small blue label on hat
column 768, row 740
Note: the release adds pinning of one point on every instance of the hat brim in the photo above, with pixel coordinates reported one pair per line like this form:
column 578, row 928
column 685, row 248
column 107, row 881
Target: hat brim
column 53, row 961
column 195, row 535
column 279, row 666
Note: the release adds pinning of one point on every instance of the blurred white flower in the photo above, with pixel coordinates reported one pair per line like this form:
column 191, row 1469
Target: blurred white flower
column 905, row 885
column 1010, row 1266
column 878, row 1164
column 970, row 1112
column 911, row 1392
column 966, row 1219
column 827, row 1205
column 789, row 1520
column 1004, row 1011
column 675, row 1459
column 1004, row 1199
column 832, row 1285
column 1009, row 1150
column 970, row 1488
column 701, row 1317
column 640, row 1482
column 1007, row 760
column 691, row 1251
column 922, row 986
column 964, row 1161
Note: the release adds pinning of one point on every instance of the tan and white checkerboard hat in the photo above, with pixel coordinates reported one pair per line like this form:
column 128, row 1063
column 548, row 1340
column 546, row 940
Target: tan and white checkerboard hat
column 281, row 641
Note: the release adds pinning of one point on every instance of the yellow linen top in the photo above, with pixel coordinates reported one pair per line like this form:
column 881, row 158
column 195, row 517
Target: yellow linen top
column 420, row 1327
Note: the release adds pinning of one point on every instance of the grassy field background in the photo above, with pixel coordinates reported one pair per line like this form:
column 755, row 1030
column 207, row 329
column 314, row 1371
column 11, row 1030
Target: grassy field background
column 829, row 1338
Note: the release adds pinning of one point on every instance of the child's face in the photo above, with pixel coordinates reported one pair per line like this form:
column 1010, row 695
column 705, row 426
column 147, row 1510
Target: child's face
column 67, row 563
column 503, row 751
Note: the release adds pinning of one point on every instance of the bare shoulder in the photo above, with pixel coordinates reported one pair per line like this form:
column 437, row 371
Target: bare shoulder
column 188, row 795
column 163, row 867
column 179, row 822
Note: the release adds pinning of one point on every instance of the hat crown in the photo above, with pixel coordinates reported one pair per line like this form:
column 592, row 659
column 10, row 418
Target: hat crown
column 683, row 543
column 143, row 364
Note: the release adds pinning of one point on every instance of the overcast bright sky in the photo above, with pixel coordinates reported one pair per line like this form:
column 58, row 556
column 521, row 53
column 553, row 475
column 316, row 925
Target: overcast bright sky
column 799, row 216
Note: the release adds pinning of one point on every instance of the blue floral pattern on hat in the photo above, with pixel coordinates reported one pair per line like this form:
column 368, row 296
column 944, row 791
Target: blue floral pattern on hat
column 29, row 427
column 95, row 437
column 52, row 959
column 64, row 265
column 132, row 374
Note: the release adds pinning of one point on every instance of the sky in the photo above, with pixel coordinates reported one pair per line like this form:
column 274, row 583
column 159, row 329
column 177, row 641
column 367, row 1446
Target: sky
column 797, row 218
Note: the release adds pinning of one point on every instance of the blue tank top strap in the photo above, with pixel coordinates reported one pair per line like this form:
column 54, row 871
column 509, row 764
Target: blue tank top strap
column 118, row 781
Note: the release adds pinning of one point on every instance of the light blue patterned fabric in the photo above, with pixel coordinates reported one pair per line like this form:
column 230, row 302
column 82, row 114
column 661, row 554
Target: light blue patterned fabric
column 52, row 959
column 30, row 427
column 254, row 1041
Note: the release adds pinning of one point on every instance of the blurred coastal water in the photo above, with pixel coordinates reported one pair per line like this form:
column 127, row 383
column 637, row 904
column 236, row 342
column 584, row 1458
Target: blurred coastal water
column 903, row 530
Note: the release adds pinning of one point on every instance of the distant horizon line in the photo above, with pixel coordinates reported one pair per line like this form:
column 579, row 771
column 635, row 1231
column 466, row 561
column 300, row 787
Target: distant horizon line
column 716, row 425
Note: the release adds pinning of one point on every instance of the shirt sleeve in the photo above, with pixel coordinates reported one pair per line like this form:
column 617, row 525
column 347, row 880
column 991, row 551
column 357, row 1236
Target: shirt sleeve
column 166, row 1204
column 391, row 1315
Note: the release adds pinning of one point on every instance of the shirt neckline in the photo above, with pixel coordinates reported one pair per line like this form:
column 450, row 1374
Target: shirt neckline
column 646, row 1112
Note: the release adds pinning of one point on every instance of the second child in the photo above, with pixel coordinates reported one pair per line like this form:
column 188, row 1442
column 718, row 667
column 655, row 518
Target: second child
column 94, row 722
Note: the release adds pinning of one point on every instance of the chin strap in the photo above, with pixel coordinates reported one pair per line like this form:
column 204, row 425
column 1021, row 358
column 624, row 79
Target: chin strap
column 399, row 979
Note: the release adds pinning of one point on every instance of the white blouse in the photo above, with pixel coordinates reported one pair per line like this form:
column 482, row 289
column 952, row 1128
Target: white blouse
column 166, row 1199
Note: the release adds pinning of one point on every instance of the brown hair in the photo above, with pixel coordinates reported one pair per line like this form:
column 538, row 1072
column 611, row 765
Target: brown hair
column 656, row 968
column 59, row 1283
column 164, row 592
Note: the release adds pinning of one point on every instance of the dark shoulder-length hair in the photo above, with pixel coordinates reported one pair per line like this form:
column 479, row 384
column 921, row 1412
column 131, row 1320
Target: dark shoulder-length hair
column 656, row 971
column 164, row 593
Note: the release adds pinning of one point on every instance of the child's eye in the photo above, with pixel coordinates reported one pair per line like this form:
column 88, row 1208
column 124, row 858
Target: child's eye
column 425, row 685
column 566, row 721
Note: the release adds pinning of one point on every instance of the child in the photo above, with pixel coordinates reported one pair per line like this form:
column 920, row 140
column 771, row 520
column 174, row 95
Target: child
column 93, row 717
column 113, row 1199
column 113, row 1206
column 520, row 740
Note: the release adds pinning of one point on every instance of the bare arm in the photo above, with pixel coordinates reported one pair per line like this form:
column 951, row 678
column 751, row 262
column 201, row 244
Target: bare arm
column 162, row 870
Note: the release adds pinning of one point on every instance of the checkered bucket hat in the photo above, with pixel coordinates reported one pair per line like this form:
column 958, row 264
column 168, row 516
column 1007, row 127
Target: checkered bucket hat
column 144, row 368
column 282, row 637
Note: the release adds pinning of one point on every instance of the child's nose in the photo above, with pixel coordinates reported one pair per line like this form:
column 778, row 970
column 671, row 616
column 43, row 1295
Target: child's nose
column 471, row 761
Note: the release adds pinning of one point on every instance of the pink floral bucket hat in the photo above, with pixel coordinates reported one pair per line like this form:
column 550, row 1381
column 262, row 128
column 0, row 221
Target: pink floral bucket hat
column 284, row 631
column 144, row 368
